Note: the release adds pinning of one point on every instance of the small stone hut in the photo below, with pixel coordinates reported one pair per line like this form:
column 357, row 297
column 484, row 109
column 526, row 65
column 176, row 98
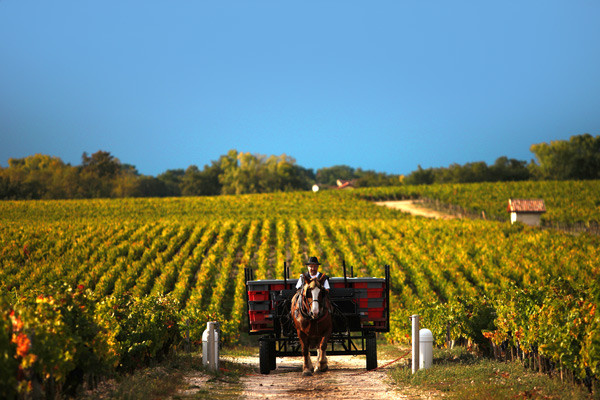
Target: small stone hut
column 527, row 211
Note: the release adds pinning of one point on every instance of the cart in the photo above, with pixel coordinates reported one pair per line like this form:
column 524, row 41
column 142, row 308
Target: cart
column 360, row 310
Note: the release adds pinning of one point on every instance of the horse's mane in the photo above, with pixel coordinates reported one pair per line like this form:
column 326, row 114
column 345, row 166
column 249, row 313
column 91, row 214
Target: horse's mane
column 307, row 279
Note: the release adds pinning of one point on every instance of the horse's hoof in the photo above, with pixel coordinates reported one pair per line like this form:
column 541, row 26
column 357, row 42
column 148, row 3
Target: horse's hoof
column 323, row 368
column 307, row 373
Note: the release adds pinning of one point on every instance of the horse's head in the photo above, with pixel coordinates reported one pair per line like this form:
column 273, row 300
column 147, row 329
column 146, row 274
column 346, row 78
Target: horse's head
column 315, row 293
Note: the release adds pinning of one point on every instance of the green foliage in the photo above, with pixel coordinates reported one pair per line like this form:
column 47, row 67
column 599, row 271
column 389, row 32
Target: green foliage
column 559, row 319
column 201, row 183
column 248, row 173
column 139, row 329
column 458, row 374
column 329, row 176
column 567, row 202
column 57, row 339
column 102, row 175
column 193, row 321
column 361, row 178
column 503, row 169
column 8, row 362
column 61, row 338
column 578, row 158
column 459, row 318
column 321, row 205
column 183, row 260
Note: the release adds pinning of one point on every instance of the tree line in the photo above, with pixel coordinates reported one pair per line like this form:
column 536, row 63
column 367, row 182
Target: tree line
column 573, row 159
column 102, row 175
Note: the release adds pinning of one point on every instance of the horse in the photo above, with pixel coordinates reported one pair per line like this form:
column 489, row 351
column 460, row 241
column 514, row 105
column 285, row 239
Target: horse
column 311, row 312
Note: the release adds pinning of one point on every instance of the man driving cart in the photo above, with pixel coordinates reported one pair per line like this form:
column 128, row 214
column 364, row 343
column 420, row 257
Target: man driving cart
column 313, row 271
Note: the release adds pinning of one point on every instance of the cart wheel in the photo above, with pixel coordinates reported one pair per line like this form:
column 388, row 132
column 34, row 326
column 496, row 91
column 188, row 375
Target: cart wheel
column 264, row 356
column 272, row 355
column 371, row 344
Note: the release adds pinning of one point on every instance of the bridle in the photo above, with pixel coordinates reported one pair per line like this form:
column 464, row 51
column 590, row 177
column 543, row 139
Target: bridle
column 303, row 300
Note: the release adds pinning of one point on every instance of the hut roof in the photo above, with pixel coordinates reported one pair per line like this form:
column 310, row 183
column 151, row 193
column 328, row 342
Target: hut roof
column 526, row 205
column 341, row 184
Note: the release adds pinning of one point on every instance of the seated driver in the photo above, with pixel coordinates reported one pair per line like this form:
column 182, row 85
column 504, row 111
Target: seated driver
column 313, row 270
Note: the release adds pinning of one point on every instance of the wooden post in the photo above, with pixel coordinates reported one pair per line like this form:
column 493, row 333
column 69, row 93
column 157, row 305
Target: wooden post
column 561, row 370
column 415, row 343
column 188, row 345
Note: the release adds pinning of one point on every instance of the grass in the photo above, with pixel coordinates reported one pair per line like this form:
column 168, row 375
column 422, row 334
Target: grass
column 458, row 374
column 180, row 376
column 388, row 351
column 455, row 374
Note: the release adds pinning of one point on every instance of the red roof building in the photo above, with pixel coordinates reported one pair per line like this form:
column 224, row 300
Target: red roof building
column 341, row 184
column 528, row 211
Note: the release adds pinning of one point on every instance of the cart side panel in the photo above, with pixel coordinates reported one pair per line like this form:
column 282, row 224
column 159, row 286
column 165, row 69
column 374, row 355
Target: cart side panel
column 261, row 304
column 369, row 298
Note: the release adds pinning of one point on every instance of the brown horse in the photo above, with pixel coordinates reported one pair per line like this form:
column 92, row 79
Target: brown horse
column 311, row 312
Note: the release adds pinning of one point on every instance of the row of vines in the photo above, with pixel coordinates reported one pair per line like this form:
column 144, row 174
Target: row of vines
column 567, row 202
column 86, row 296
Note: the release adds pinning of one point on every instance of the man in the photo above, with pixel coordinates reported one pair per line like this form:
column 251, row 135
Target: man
column 313, row 270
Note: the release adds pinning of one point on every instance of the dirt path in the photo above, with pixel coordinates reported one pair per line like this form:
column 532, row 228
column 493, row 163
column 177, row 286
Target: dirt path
column 415, row 207
column 346, row 378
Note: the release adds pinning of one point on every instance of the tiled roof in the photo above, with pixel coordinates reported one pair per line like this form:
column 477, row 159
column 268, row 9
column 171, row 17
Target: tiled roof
column 344, row 184
column 526, row 205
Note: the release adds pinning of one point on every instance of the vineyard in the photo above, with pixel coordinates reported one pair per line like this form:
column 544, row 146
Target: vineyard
column 567, row 202
column 93, row 287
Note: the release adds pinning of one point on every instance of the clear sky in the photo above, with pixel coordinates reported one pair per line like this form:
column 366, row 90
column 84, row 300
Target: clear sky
column 380, row 85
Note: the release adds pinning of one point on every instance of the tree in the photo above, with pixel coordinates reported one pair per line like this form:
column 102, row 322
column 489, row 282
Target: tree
column 172, row 180
column 201, row 183
column 586, row 156
column 35, row 177
column 553, row 160
column 578, row 158
column 330, row 175
column 98, row 174
column 421, row 176
column 257, row 173
column 372, row 178
column 280, row 173
column 149, row 186
column 191, row 183
column 505, row 169
column 101, row 164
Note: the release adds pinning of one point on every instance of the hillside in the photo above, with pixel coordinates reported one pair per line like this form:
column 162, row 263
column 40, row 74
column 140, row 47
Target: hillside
column 181, row 260
column 567, row 202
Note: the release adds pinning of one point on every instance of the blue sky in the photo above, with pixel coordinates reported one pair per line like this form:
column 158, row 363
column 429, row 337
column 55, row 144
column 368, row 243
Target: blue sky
column 380, row 85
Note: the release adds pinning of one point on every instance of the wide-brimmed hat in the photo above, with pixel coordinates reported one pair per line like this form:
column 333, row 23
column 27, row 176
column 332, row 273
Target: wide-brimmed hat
column 313, row 260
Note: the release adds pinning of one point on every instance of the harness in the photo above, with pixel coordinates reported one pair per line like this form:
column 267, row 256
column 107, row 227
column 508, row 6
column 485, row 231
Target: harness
column 302, row 304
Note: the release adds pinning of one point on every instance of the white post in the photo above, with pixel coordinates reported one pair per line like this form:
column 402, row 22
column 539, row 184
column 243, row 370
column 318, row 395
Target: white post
column 425, row 348
column 210, row 346
column 415, row 343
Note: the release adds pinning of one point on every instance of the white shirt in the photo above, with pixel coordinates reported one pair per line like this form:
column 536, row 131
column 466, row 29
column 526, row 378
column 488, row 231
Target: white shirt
column 301, row 281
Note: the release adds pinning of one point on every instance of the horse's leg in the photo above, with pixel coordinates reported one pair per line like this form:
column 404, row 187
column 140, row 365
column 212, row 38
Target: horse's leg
column 308, row 367
column 322, row 357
